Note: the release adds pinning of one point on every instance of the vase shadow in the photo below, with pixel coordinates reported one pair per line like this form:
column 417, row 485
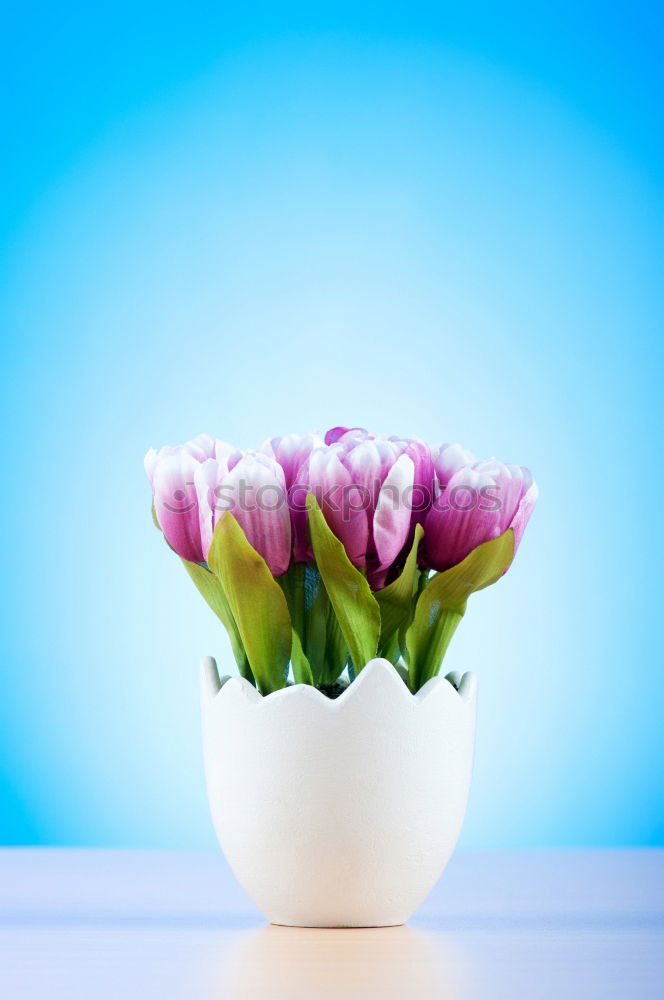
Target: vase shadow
column 294, row 963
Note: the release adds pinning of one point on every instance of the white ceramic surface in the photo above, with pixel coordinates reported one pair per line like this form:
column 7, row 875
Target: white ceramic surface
column 338, row 813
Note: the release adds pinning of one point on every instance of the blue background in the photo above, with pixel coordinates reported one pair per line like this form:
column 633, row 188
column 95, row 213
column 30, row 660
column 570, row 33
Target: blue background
column 251, row 219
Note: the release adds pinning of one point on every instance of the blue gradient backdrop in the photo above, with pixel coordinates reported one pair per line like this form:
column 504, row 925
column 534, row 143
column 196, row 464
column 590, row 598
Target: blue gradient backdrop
column 435, row 220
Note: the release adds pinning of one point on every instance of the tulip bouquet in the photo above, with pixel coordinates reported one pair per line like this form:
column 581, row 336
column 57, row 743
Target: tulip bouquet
column 320, row 554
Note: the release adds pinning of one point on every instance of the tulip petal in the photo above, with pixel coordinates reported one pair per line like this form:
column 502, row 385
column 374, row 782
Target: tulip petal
column 255, row 489
column 176, row 504
column 207, row 477
column 509, row 487
column 523, row 513
column 367, row 468
column 352, row 434
column 291, row 451
column 456, row 523
column 448, row 459
column 334, row 433
column 391, row 523
column 343, row 505
column 201, row 447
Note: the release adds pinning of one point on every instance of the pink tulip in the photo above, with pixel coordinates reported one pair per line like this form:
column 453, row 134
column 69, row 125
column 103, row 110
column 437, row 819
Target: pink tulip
column 475, row 502
column 418, row 451
column 171, row 472
column 292, row 452
column 448, row 459
column 199, row 448
column 349, row 433
column 364, row 485
column 254, row 490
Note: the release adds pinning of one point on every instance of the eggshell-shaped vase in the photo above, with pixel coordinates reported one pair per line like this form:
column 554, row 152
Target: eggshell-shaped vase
column 344, row 812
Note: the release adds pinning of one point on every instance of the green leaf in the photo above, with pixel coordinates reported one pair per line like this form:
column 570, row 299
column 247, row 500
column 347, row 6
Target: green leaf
column 392, row 650
column 315, row 623
column 442, row 604
column 292, row 584
column 301, row 669
column 154, row 518
column 316, row 605
column 395, row 600
column 210, row 587
column 256, row 601
column 336, row 650
column 355, row 606
column 307, row 603
column 421, row 580
column 425, row 659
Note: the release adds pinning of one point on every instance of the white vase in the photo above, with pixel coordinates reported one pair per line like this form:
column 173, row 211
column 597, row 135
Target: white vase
column 344, row 812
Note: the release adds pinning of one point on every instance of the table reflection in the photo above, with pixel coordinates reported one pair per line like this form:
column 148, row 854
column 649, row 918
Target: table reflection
column 306, row 963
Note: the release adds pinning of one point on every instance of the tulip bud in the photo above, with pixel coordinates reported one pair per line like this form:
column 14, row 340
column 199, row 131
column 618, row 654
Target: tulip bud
column 364, row 485
column 475, row 502
column 292, row 452
column 171, row 472
column 254, row 491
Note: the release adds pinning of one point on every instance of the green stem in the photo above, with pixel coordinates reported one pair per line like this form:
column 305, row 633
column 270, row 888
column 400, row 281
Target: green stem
column 426, row 665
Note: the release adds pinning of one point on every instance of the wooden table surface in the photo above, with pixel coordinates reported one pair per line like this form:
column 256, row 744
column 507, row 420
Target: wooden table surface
column 128, row 924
